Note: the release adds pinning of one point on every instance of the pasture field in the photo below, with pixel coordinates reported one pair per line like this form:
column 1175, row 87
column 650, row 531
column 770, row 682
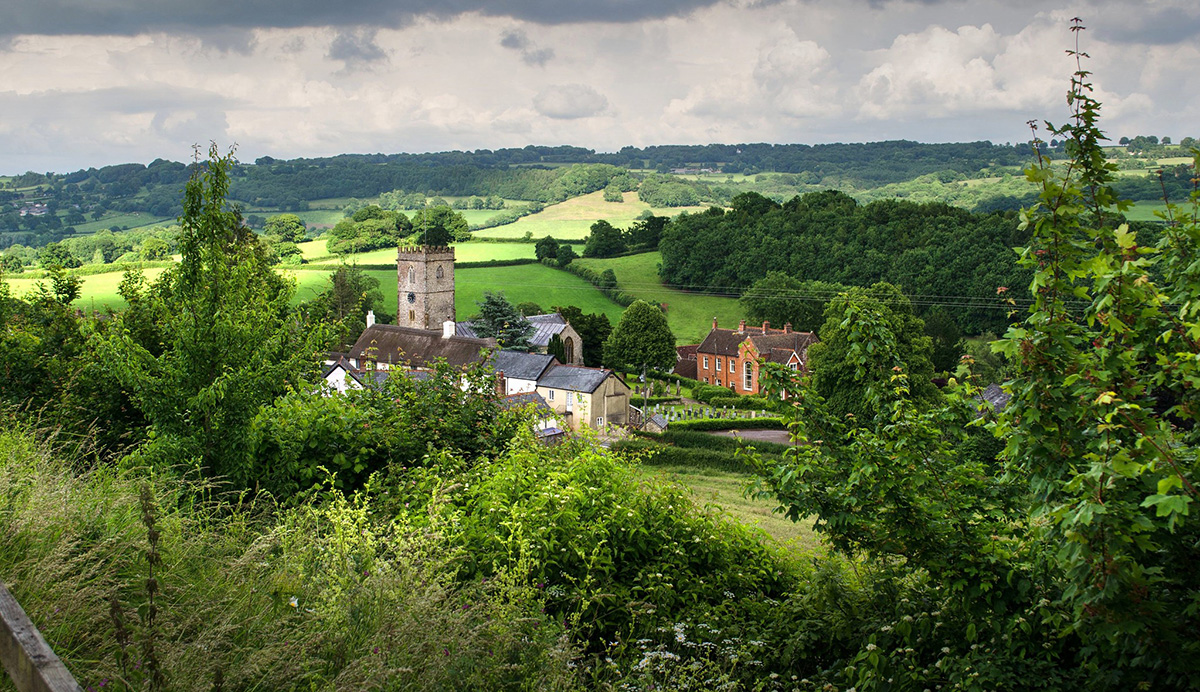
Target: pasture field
column 1144, row 211
column 725, row 489
column 463, row 252
column 131, row 220
column 97, row 292
column 689, row 314
column 573, row 218
column 531, row 282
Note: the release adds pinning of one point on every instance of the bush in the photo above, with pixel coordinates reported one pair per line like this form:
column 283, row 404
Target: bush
column 742, row 403
column 641, row 401
column 653, row 454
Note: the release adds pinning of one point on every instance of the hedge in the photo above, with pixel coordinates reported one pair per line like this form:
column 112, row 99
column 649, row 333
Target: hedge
column 745, row 403
column 650, row 401
column 457, row 265
column 670, row 455
column 703, row 440
column 764, row 423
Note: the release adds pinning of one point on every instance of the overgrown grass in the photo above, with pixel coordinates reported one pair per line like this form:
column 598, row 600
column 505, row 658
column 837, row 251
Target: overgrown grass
column 574, row 217
column 728, row 491
column 688, row 314
column 321, row 596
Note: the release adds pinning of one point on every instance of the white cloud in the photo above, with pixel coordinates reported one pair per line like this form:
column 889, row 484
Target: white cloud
column 569, row 101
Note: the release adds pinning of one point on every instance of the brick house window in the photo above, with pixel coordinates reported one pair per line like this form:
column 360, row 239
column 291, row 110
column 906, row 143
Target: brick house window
column 718, row 365
column 748, row 376
column 706, row 362
column 732, row 367
column 794, row 365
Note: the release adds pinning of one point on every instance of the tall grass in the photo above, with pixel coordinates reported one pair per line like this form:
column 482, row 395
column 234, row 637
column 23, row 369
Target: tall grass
column 252, row 596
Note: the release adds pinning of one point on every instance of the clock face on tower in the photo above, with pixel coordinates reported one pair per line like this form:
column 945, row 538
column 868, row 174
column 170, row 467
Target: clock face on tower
column 412, row 298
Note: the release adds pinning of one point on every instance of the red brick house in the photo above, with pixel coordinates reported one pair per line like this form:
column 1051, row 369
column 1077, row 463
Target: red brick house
column 729, row 357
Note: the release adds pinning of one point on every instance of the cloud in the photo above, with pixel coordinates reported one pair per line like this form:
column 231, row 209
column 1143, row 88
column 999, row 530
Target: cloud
column 516, row 39
column 569, row 101
column 130, row 17
column 1149, row 24
column 356, row 48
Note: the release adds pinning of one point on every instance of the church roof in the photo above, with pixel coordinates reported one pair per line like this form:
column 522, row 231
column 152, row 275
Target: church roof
column 544, row 327
column 387, row 343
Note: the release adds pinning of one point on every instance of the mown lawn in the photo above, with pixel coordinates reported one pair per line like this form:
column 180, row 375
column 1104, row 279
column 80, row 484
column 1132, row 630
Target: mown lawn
column 725, row 490
column 689, row 314
column 573, row 218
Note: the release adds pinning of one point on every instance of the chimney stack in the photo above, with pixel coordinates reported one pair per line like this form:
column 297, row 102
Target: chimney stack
column 501, row 384
column 714, row 323
column 370, row 318
column 447, row 329
column 741, row 326
column 787, row 328
column 766, row 326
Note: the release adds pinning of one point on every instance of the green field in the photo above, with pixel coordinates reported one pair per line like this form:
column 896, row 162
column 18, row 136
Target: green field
column 725, row 490
column 573, row 218
column 1144, row 211
column 131, row 220
column 689, row 314
column 98, row 291
column 463, row 252
column 529, row 282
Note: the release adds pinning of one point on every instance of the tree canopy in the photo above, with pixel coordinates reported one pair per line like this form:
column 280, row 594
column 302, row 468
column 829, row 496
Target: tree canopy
column 500, row 320
column 642, row 340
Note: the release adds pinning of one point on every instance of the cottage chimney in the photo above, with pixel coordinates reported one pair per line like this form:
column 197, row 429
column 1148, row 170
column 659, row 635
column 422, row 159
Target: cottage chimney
column 501, row 383
column 714, row 323
column 741, row 326
column 787, row 328
column 766, row 326
column 370, row 318
column 447, row 329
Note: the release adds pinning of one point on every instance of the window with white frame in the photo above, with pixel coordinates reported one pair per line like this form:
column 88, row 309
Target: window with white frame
column 706, row 362
column 747, row 376
column 718, row 365
column 599, row 421
column 732, row 367
column 550, row 395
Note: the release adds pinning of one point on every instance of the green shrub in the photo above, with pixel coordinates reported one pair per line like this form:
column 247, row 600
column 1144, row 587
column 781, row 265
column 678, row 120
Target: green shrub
column 744, row 403
column 612, row 550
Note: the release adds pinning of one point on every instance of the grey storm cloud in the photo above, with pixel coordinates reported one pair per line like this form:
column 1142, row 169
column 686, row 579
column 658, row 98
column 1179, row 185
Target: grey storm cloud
column 1153, row 26
column 532, row 55
column 129, row 17
column 356, row 48
column 569, row 101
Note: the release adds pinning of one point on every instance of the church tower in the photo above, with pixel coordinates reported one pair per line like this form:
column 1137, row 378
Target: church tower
column 425, row 283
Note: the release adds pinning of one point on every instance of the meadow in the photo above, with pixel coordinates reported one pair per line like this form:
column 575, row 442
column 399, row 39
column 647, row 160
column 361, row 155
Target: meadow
column 97, row 292
column 314, row 251
column 573, row 218
column 690, row 315
column 127, row 221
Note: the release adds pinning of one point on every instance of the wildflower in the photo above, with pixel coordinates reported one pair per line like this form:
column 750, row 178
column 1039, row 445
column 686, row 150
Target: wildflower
column 871, row 647
column 293, row 602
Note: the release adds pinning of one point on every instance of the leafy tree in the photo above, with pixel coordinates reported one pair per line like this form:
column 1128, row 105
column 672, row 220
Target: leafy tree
column 439, row 225
column 604, row 241
column 1103, row 420
column 642, row 340
column 287, row 227
column 948, row 344
column 593, row 330
column 58, row 255
column 529, row 308
column 566, row 254
column 229, row 343
column 500, row 319
column 849, row 384
column 608, row 278
column 11, row 264
column 154, row 249
column 612, row 193
column 781, row 299
column 645, row 233
column 546, row 248
column 347, row 298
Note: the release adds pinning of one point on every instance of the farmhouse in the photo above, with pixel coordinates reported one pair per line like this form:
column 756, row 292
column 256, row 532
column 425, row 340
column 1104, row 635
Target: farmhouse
column 584, row 397
column 730, row 358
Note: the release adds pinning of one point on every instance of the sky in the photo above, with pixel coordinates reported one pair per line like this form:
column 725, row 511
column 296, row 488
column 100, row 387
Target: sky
column 90, row 83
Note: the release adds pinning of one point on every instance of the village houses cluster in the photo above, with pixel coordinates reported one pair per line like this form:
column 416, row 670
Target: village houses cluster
column 567, row 396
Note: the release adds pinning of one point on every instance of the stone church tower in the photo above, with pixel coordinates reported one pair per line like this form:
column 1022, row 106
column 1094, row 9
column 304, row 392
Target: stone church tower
column 425, row 283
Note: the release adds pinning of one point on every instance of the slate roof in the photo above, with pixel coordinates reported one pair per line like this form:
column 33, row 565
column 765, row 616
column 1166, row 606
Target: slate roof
column 371, row 378
column 521, row 366
column 386, row 343
column 725, row 342
column 544, row 327
column 659, row 420
column 686, row 368
column 996, row 396
column 574, row 378
column 524, row 399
